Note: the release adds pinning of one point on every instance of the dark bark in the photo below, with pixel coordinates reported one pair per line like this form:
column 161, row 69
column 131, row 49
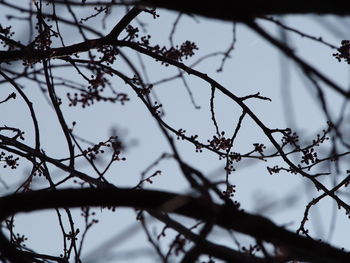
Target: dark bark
column 234, row 11
column 198, row 208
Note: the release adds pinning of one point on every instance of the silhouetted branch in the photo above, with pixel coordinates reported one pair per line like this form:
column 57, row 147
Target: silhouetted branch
column 228, row 217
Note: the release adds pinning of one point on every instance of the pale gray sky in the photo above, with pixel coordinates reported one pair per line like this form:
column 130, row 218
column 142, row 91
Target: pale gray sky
column 254, row 66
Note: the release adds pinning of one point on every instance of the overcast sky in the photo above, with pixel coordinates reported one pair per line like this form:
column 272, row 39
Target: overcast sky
column 254, row 66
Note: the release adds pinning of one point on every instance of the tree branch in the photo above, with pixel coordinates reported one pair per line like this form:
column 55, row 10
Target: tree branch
column 298, row 247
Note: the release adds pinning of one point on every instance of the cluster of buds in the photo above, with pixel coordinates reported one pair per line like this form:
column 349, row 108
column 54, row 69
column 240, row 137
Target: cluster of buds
column 273, row 170
column 9, row 160
column 93, row 93
column 230, row 191
column 343, row 51
column 290, row 137
column 259, row 147
column 109, row 53
column 97, row 149
column 309, row 156
column 220, row 142
column 6, row 32
column 176, row 53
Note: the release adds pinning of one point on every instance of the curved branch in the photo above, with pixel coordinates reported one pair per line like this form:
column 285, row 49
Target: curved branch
column 197, row 208
column 307, row 68
column 268, row 132
column 231, row 10
column 34, row 55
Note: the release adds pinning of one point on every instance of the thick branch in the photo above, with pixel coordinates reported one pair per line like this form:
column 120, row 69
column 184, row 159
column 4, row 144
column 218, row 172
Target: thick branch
column 231, row 10
column 298, row 247
column 234, row 11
